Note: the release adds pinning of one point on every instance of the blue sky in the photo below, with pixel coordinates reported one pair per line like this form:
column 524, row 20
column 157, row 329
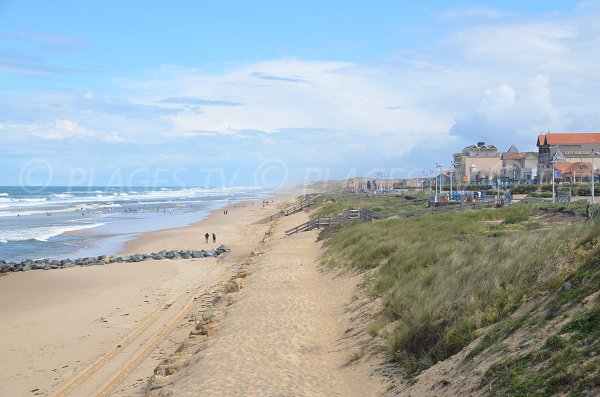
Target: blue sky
column 271, row 92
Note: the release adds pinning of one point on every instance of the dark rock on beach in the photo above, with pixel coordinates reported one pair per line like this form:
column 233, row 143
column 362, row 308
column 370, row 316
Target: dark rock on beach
column 49, row 264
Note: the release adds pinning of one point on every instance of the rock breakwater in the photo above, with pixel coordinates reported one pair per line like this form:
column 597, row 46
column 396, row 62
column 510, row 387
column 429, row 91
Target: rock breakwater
column 49, row 264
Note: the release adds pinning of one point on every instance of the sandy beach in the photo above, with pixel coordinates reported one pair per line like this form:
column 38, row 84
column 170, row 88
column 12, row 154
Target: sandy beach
column 103, row 330
column 56, row 324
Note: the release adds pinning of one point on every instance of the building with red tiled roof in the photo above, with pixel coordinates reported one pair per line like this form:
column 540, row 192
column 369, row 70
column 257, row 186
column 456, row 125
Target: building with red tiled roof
column 574, row 172
column 567, row 138
column 576, row 147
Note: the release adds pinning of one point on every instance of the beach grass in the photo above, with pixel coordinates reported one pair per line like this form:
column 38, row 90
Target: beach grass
column 384, row 204
column 443, row 276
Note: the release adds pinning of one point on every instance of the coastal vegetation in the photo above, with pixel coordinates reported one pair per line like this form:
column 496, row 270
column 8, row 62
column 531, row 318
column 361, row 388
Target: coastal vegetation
column 447, row 279
column 333, row 204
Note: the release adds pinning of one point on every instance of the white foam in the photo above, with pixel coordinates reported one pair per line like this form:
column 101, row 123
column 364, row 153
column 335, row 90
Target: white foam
column 62, row 195
column 95, row 197
column 42, row 233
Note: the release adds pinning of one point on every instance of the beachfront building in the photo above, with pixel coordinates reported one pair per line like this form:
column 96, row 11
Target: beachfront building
column 519, row 167
column 356, row 185
column 577, row 148
column 476, row 164
column 373, row 185
column 574, row 172
column 413, row 183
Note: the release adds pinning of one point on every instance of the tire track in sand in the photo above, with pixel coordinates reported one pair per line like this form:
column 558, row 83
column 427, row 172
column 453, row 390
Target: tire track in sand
column 148, row 344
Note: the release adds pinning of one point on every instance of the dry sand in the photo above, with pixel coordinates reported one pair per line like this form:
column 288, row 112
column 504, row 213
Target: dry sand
column 284, row 335
column 102, row 330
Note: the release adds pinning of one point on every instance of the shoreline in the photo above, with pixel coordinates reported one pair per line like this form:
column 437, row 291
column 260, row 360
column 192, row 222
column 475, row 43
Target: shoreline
column 79, row 226
column 122, row 304
column 111, row 239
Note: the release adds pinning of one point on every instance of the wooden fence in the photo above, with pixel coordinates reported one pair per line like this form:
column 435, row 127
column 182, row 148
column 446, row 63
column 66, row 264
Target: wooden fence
column 300, row 205
column 368, row 215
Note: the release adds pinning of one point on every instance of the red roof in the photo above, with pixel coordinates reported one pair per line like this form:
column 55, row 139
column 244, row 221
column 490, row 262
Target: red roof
column 580, row 168
column 567, row 166
column 566, row 138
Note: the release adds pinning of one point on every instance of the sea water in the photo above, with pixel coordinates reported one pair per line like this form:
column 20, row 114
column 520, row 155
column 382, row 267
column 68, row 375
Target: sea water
column 59, row 222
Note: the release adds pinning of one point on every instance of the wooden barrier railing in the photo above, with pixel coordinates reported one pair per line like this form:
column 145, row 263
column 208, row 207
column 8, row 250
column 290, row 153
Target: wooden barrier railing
column 367, row 215
column 300, row 205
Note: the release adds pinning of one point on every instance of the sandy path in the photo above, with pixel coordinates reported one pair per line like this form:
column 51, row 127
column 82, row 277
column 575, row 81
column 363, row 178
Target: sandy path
column 60, row 330
column 283, row 336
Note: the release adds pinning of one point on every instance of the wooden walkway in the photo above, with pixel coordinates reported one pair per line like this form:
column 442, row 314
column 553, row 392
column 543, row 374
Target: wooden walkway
column 300, row 205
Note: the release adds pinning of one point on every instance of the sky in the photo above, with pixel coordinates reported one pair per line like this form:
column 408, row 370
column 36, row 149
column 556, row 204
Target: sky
column 272, row 93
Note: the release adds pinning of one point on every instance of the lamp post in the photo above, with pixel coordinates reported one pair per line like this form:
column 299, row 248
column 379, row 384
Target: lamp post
column 451, row 169
column 498, row 187
column 438, row 179
column 386, row 178
column 593, row 175
column 558, row 157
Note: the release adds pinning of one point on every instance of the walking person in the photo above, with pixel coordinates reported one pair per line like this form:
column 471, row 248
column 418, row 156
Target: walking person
column 206, row 236
column 214, row 238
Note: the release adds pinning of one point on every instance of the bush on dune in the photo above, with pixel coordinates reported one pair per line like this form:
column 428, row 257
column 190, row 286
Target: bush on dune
column 443, row 276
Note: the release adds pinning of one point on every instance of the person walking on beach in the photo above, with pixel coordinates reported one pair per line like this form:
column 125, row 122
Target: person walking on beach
column 206, row 236
column 214, row 238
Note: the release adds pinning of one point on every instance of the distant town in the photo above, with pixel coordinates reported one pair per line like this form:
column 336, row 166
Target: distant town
column 572, row 155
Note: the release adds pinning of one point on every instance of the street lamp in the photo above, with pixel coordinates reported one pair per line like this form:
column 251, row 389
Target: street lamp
column 438, row 180
column 594, row 153
column 386, row 178
column 558, row 157
column 502, row 170
column 451, row 170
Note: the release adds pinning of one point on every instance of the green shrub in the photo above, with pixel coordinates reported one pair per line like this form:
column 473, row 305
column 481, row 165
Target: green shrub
column 555, row 342
column 475, row 187
column 541, row 194
column 523, row 189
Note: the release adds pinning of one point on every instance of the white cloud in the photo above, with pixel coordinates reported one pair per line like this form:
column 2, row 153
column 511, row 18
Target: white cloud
column 474, row 12
column 499, row 78
column 304, row 95
column 59, row 129
column 516, row 43
column 505, row 113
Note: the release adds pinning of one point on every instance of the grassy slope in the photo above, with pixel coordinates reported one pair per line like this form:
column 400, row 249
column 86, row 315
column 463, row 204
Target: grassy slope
column 334, row 205
column 442, row 277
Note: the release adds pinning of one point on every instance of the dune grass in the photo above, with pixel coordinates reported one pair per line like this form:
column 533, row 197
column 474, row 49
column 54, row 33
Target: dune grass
column 568, row 363
column 443, row 276
column 384, row 204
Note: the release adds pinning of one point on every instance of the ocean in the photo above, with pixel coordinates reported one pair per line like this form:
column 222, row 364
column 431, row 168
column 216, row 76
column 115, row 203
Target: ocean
column 68, row 222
